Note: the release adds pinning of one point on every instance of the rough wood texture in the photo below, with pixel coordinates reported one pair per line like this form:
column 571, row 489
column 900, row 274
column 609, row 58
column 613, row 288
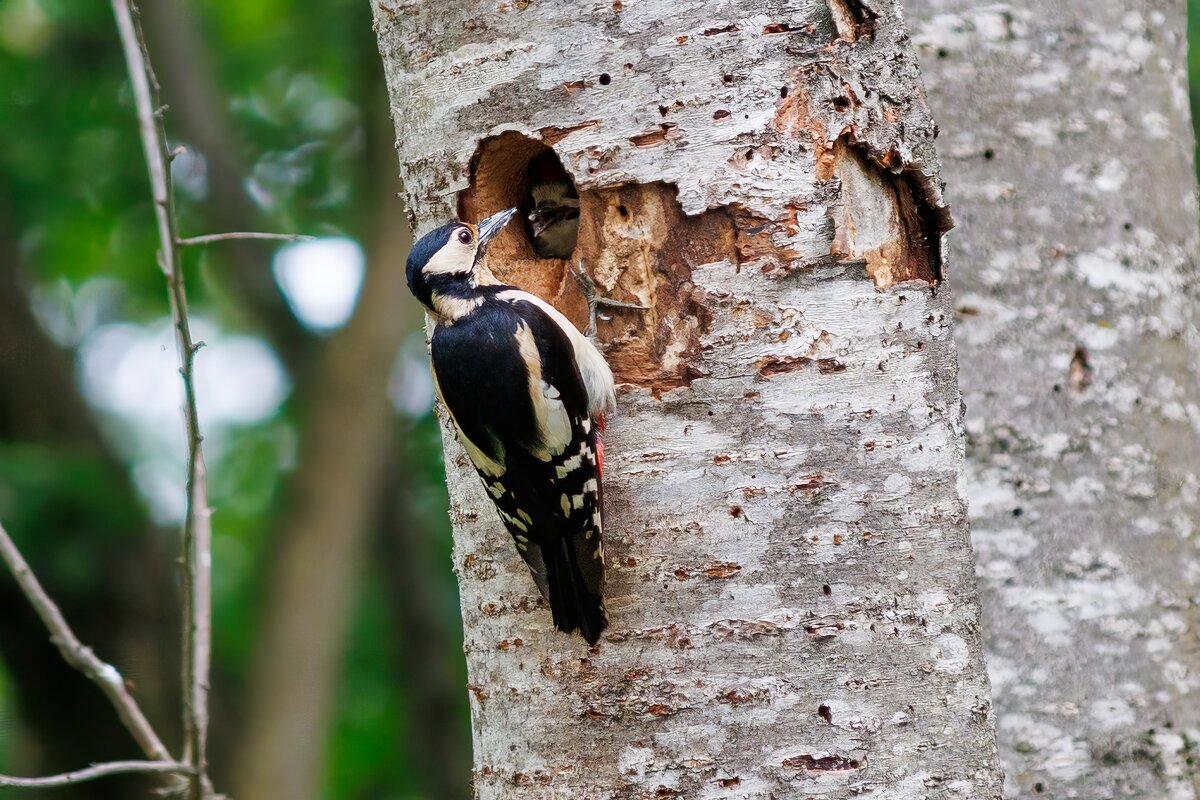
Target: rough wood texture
column 1069, row 153
column 790, row 579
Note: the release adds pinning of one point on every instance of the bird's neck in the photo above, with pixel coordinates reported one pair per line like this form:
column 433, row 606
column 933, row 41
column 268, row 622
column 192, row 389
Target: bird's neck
column 455, row 296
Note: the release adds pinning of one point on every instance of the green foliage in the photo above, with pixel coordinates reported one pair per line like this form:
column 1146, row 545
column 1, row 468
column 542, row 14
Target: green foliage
column 1193, row 37
column 302, row 87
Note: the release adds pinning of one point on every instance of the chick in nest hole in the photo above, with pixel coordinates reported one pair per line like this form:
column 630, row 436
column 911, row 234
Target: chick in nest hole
column 554, row 221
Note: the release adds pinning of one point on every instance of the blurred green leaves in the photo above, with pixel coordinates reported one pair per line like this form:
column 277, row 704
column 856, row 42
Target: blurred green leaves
column 301, row 92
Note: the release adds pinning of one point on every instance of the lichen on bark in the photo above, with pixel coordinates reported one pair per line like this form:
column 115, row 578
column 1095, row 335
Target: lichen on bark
column 790, row 579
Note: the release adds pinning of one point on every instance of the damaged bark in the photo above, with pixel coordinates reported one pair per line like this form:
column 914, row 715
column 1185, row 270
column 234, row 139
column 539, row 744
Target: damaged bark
column 789, row 575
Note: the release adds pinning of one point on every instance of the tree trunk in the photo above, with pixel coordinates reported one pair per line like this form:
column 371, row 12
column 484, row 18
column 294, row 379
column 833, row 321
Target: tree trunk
column 1070, row 151
column 311, row 588
column 789, row 574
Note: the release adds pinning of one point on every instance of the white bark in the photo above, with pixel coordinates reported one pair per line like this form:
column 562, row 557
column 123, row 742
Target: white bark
column 790, row 579
column 1069, row 146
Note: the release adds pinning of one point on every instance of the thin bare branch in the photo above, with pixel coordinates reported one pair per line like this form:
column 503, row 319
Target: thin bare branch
column 80, row 656
column 197, row 528
column 191, row 241
column 97, row 771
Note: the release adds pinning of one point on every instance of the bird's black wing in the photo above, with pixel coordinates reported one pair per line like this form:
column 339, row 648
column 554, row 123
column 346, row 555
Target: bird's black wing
column 507, row 374
column 576, row 470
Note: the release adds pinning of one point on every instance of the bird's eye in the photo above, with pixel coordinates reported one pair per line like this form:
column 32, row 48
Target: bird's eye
column 464, row 236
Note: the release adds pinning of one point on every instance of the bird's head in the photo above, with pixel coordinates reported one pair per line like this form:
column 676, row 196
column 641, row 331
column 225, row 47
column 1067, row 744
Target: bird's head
column 450, row 258
column 548, row 213
column 554, row 221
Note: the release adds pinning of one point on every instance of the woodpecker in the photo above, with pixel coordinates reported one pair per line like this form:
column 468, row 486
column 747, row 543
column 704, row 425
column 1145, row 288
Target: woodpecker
column 554, row 221
column 528, row 395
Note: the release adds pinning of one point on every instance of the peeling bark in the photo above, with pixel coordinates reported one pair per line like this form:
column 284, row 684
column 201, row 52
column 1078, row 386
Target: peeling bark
column 789, row 578
column 1069, row 145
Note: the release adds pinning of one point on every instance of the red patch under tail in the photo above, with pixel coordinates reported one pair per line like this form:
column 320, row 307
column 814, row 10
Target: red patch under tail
column 600, row 445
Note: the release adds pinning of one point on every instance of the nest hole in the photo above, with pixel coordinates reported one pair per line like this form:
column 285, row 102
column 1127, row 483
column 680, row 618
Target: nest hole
column 649, row 262
column 506, row 172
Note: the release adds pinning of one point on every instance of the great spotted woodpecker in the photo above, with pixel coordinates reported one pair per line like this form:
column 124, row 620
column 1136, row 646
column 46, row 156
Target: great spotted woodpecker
column 554, row 221
column 528, row 394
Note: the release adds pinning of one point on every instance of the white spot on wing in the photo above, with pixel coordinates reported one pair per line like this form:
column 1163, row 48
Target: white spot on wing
column 558, row 423
column 570, row 465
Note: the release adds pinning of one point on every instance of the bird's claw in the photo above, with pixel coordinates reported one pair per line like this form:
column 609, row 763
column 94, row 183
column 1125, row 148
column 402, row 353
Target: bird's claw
column 595, row 299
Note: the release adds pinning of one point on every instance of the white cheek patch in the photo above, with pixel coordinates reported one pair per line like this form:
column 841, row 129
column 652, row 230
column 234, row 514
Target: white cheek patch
column 454, row 258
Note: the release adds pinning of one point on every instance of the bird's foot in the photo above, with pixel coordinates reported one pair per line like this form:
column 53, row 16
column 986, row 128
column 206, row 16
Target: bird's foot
column 595, row 300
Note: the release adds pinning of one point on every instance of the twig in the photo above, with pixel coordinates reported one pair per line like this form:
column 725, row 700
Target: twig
column 226, row 237
column 80, row 656
column 197, row 528
column 97, row 771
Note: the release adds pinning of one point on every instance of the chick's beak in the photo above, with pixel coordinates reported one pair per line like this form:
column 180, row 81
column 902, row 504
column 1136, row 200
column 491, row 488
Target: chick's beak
column 488, row 228
column 539, row 220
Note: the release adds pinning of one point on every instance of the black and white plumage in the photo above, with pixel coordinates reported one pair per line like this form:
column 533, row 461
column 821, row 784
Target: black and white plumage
column 527, row 393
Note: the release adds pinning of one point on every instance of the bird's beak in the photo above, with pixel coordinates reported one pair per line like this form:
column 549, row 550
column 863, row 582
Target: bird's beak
column 539, row 220
column 491, row 226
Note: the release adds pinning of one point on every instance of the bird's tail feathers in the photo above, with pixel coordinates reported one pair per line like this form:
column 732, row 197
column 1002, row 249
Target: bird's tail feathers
column 573, row 604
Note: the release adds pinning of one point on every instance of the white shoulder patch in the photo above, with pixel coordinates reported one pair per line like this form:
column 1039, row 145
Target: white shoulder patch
column 597, row 377
column 552, row 418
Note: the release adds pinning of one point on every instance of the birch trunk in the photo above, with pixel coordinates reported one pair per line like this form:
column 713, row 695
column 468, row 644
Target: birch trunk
column 789, row 572
column 1069, row 145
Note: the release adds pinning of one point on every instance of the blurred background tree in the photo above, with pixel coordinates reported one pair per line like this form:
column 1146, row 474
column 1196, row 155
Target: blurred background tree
column 338, row 659
column 331, row 530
